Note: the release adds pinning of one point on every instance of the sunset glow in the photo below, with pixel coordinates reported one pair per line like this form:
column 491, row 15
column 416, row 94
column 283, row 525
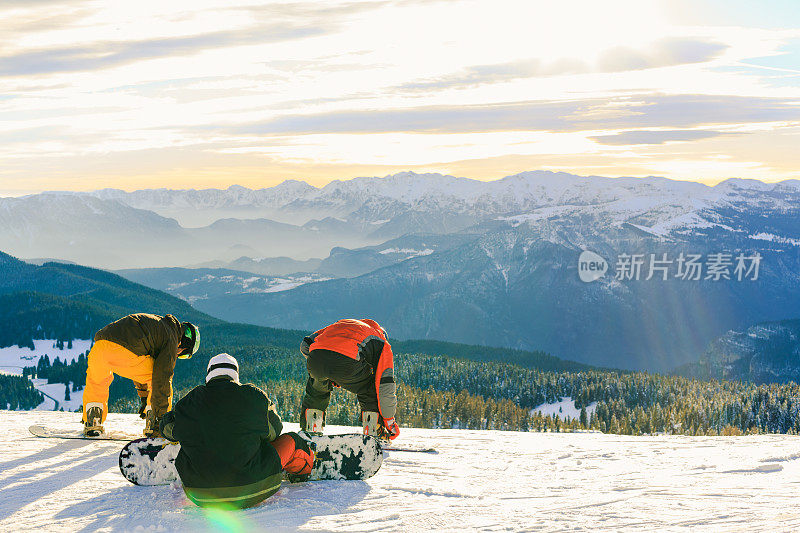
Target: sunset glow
column 209, row 93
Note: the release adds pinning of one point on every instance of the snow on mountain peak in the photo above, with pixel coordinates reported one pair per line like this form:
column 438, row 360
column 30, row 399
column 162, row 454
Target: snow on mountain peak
column 744, row 184
column 406, row 187
column 522, row 191
column 518, row 198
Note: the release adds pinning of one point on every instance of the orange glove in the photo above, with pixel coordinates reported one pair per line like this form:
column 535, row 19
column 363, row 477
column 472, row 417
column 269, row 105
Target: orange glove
column 390, row 429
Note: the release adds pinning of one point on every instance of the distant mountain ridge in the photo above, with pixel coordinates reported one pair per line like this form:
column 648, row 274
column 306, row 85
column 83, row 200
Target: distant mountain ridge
column 763, row 353
column 63, row 301
column 517, row 285
column 508, row 279
column 115, row 229
column 362, row 202
column 520, row 191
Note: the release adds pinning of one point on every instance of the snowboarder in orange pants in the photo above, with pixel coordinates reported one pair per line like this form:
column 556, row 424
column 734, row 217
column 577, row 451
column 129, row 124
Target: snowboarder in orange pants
column 143, row 348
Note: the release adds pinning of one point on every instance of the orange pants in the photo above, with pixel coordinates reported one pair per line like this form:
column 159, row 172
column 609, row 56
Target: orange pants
column 293, row 459
column 106, row 359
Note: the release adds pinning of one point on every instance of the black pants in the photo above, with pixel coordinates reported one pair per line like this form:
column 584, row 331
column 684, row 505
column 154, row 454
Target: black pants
column 325, row 367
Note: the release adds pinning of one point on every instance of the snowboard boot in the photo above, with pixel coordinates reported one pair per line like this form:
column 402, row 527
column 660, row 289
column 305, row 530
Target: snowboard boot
column 312, row 421
column 152, row 424
column 369, row 423
column 302, row 458
column 93, row 424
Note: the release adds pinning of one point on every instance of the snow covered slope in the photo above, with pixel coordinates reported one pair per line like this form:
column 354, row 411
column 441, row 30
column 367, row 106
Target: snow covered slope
column 55, row 396
column 14, row 358
column 564, row 409
column 480, row 480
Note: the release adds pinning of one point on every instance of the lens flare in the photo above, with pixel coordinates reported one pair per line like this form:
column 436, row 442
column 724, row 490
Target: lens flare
column 225, row 520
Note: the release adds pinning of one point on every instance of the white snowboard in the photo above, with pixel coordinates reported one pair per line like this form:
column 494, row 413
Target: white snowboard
column 52, row 433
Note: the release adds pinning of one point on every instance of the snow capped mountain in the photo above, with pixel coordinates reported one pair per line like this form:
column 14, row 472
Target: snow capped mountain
column 194, row 208
column 508, row 279
column 233, row 196
column 81, row 228
column 408, row 202
column 513, row 282
column 541, row 187
column 405, row 187
column 64, row 209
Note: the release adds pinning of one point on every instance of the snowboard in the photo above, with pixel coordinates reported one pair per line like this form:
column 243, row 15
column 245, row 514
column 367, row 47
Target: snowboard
column 51, row 433
column 151, row 461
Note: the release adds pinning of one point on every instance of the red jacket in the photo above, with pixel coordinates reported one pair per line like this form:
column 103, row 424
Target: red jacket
column 362, row 340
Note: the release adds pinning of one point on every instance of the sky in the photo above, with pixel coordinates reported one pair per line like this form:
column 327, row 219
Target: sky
column 211, row 93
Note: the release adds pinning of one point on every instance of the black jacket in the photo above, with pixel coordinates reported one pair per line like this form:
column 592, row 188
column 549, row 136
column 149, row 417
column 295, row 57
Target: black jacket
column 224, row 430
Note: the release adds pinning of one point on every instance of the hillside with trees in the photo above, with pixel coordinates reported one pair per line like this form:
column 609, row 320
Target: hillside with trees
column 440, row 384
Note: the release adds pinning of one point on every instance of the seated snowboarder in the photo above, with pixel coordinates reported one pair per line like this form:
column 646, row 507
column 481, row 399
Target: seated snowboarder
column 356, row 356
column 143, row 348
column 232, row 453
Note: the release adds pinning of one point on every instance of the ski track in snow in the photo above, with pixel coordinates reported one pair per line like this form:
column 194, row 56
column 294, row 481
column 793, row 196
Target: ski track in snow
column 479, row 480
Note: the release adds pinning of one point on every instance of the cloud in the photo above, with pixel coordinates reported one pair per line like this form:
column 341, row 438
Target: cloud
column 429, row 119
column 499, row 72
column 109, row 54
column 656, row 136
column 32, row 135
column 16, row 4
column 311, row 10
column 53, row 19
column 665, row 52
column 651, row 111
column 662, row 53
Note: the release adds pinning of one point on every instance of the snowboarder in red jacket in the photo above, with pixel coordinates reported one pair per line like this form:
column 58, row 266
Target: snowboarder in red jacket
column 356, row 356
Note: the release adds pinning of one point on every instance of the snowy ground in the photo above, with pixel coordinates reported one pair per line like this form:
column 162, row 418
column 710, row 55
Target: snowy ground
column 480, row 480
column 564, row 409
column 55, row 392
column 13, row 359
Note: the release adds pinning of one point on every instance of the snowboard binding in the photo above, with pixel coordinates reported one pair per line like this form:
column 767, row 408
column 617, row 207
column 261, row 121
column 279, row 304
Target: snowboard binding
column 93, row 425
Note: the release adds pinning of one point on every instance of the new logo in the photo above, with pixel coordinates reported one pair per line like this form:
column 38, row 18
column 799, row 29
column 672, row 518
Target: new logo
column 591, row 266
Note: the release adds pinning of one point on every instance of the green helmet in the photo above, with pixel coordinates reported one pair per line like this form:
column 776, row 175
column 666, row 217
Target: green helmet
column 190, row 341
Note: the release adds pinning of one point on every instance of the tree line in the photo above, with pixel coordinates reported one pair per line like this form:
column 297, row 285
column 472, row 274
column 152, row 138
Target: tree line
column 70, row 374
column 18, row 393
column 442, row 392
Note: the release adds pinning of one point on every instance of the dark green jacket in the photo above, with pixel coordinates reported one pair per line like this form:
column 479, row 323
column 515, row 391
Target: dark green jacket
column 154, row 336
column 225, row 430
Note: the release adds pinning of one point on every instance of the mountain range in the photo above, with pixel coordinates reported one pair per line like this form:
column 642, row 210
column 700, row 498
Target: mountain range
column 116, row 229
column 439, row 257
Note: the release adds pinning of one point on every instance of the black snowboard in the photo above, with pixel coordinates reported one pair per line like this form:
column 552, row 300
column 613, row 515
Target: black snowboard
column 151, row 461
